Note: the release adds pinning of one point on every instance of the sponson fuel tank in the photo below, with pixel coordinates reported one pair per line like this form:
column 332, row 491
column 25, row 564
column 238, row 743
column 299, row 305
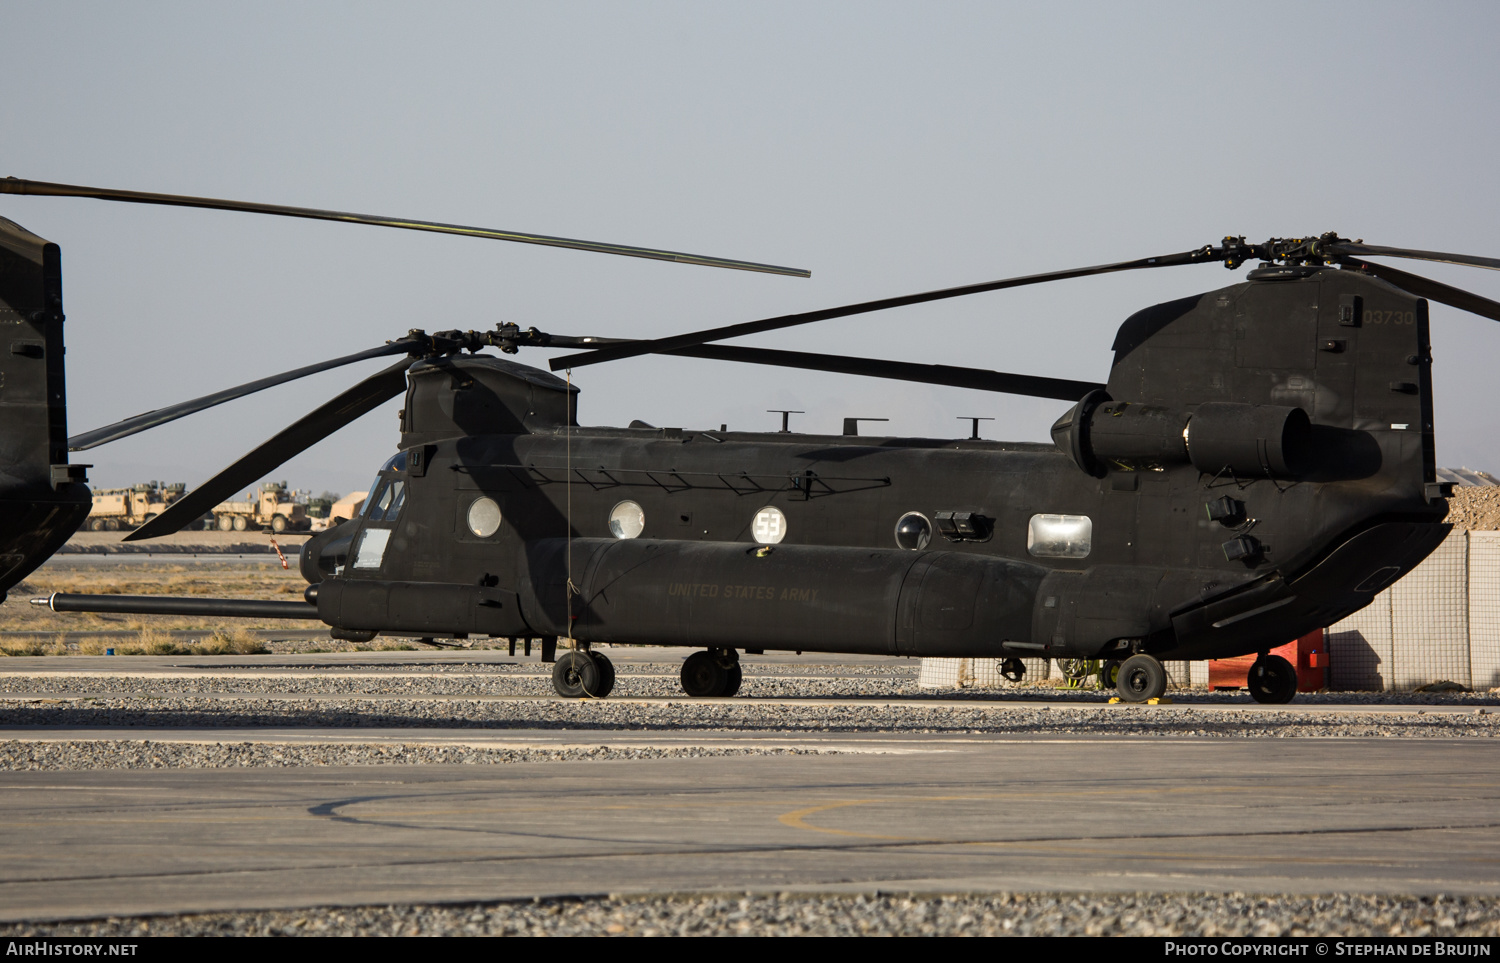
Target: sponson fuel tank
column 780, row 597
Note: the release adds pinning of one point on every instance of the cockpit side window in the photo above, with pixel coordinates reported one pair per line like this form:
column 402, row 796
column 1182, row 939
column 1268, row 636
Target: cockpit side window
column 373, row 509
column 396, row 500
column 387, row 496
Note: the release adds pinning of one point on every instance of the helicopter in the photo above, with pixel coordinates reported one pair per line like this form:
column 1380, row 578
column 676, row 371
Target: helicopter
column 1259, row 463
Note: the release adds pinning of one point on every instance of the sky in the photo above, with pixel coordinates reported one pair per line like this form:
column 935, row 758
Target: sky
column 887, row 147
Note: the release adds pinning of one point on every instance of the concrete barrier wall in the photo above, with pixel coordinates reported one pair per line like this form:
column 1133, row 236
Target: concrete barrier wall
column 1439, row 623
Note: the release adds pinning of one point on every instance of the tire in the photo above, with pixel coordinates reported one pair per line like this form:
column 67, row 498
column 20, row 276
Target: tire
column 279, row 524
column 703, row 677
column 149, row 516
column 732, row 683
column 240, row 523
column 1141, row 679
column 96, row 524
column 225, row 523
column 1109, row 673
column 606, row 675
column 575, row 675
column 1272, row 681
column 111, row 524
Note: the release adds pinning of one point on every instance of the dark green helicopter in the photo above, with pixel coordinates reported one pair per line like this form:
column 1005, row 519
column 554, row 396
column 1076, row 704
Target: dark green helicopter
column 1259, row 463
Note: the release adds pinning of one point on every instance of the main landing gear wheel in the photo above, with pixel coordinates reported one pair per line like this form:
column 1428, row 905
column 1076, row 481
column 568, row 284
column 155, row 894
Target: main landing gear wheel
column 1272, row 680
column 578, row 675
column 1109, row 673
column 1141, row 678
column 711, row 674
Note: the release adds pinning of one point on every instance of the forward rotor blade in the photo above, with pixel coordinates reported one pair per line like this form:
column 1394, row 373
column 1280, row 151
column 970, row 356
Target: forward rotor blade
column 1350, row 248
column 14, row 185
column 292, row 440
column 1432, row 290
column 668, row 345
column 160, row 416
column 932, row 374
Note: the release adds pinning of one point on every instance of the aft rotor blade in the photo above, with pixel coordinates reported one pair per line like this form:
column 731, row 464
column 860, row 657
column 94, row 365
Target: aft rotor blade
column 1433, row 290
column 292, row 440
column 1348, row 248
column 15, row 185
column 932, row 374
column 160, row 416
column 668, row 345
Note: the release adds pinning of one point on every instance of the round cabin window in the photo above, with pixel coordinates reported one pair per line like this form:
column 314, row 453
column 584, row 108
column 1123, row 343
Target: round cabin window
column 484, row 517
column 627, row 520
column 769, row 526
column 913, row 532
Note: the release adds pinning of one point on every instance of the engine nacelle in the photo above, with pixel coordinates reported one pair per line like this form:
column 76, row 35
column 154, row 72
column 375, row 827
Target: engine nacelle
column 1215, row 437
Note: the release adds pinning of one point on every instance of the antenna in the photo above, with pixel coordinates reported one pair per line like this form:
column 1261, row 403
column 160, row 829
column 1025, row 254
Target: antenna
column 786, row 416
column 974, row 435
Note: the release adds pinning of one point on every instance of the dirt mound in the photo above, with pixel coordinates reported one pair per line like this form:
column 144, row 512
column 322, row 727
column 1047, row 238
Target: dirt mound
column 1475, row 509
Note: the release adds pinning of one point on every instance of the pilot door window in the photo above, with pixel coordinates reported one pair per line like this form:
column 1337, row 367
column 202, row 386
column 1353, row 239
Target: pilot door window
column 382, row 509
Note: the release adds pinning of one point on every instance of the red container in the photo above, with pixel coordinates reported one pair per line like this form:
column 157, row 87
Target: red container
column 1306, row 653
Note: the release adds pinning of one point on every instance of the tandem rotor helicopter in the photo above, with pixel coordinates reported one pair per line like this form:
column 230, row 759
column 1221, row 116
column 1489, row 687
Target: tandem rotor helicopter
column 1258, row 463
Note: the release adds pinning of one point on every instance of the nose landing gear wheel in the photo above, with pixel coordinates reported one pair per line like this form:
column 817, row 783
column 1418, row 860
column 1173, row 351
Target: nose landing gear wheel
column 1141, row 678
column 707, row 675
column 606, row 674
column 577, row 675
column 1272, row 680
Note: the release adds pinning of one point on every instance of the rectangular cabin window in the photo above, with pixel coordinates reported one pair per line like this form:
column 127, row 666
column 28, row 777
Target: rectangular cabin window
column 1060, row 536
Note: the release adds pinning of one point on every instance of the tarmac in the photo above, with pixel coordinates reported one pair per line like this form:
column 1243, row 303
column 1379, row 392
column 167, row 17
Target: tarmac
column 834, row 812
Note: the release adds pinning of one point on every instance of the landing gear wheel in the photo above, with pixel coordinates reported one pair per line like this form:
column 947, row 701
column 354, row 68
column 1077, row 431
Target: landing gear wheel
column 240, row 523
column 1013, row 669
column 1272, row 680
column 705, row 676
column 1141, row 678
column 606, row 674
column 1073, row 669
column 575, row 675
column 732, row 683
column 1109, row 673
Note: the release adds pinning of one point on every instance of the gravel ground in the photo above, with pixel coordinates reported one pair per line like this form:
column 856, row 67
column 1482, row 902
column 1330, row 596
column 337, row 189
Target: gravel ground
column 1003, row 914
column 741, row 714
column 144, row 754
column 638, row 680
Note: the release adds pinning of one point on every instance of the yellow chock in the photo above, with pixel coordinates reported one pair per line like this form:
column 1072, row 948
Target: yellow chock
column 1163, row 701
column 1113, row 699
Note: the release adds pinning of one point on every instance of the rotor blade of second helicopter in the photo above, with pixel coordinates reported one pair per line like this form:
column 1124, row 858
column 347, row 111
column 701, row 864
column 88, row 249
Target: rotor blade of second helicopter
column 16, row 185
column 615, row 352
column 1432, row 290
column 932, row 374
column 292, row 440
column 160, row 416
